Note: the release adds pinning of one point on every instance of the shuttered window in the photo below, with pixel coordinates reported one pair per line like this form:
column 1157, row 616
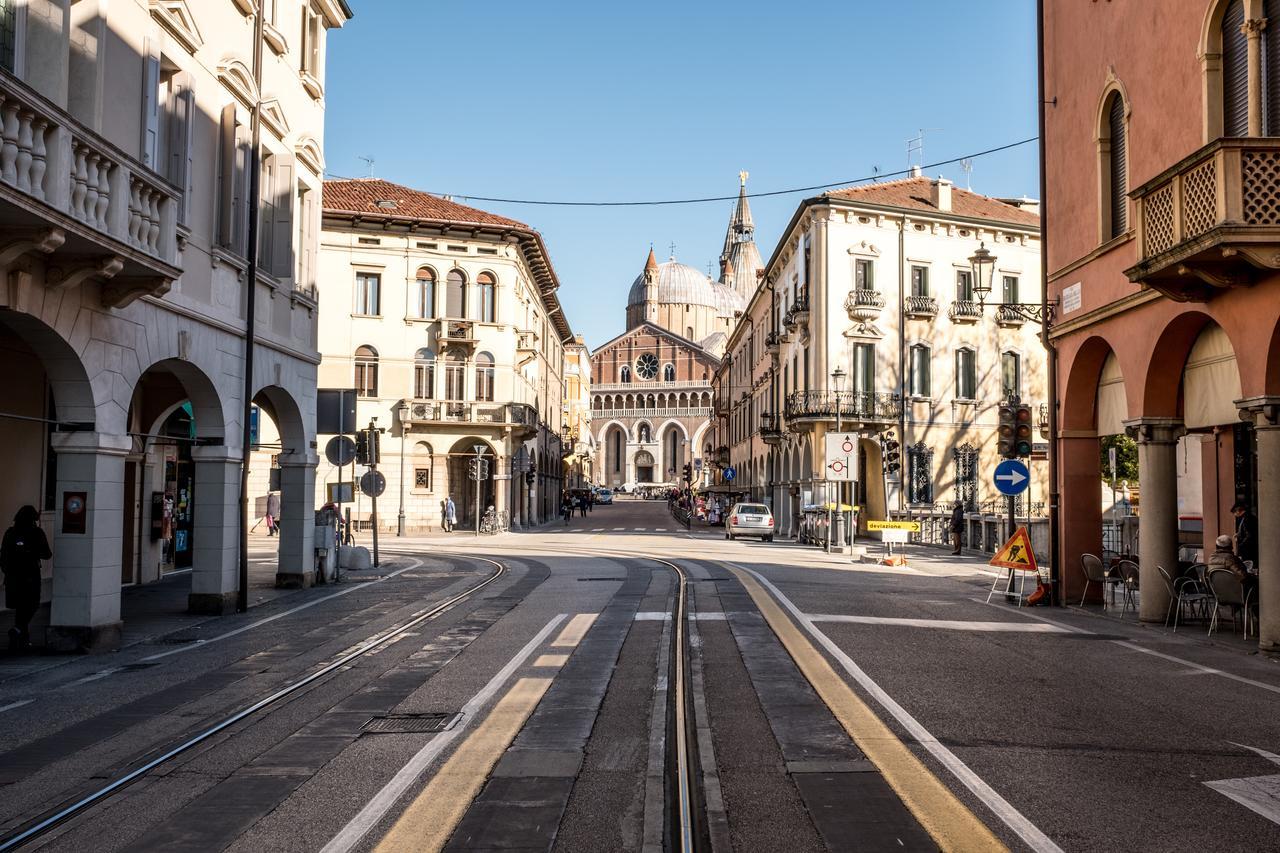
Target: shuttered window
column 1235, row 72
column 1118, row 184
column 1270, row 69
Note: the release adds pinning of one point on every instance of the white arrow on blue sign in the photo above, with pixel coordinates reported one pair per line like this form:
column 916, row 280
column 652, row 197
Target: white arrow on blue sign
column 730, row 473
column 1012, row 477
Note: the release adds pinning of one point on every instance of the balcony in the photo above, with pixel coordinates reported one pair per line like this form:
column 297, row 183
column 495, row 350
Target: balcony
column 1009, row 317
column 864, row 306
column 921, row 307
column 799, row 312
column 93, row 211
column 770, row 431
column 436, row 412
column 527, row 342
column 457, row 332
column 772, row 342
column 964, row 311
column 1210, row 221
column 858, row 409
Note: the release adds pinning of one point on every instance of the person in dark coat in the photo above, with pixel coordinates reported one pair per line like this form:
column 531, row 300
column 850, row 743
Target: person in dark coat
column 957, row 525
column 21, row 551
column 1246, row 533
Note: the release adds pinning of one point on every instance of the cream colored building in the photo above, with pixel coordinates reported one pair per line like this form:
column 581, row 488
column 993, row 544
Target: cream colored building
column 445, row 320
column 876, row 281
column 124, row 210
column 580, row 443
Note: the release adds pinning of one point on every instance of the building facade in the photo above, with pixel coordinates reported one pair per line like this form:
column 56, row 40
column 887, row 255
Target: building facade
column 579, row 470
column 875, row 282
column 445, row 320
column 1160, row 169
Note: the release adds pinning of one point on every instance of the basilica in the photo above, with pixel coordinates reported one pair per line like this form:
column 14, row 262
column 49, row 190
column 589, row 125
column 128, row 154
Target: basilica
column 651, row 385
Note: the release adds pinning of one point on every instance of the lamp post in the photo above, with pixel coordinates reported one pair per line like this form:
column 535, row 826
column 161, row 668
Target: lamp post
column 835, row 522
column 402, row 411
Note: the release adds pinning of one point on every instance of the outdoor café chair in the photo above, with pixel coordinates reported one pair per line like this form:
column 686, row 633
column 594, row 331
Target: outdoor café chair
column 1129, row 576
column 1184, row 593
column 1227, row 592
column 1095, row 572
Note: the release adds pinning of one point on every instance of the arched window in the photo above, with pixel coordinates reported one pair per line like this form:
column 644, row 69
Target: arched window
column 455, row 295
column 455, row 376
column 424, row 295
column 688, row 332
column 422, row 467
column 488, row 297
column 424, row 374
column 1010, row 374
column 921, row 365
column 1113, row 149
column 669, row 373
column 966, row 374
column 1235, row 71
column 366, row 371
column 484, row 377
column 624, row 375
column 643, row 434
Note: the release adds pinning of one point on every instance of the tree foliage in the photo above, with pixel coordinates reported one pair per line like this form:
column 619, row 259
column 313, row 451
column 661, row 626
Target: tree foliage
column 1126, row 459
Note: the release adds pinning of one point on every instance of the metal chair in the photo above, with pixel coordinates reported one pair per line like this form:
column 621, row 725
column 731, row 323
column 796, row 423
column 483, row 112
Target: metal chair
column 1183, row 592
column 1129, row 576
column 1096, row 572
column 1229, row 592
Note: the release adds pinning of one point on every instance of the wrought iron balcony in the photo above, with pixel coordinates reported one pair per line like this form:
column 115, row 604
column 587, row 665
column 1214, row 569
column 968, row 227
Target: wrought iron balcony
column 871, row 408
column 1009, row 317
column 1210, row 221
column 772, row 342
column 461, row 332
column 770, row 431
column 921, row 307
column 799, row 311
column 864, row 305
column 91, row 209
column 520, row 415
column 965, row 311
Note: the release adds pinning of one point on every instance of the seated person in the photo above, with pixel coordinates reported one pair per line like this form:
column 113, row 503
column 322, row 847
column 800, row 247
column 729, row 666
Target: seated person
column 1224, row 558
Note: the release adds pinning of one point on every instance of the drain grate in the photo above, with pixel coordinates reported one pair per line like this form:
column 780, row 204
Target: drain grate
column 402, row 724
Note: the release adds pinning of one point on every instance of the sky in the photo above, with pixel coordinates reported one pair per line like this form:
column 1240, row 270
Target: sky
column 656, row 100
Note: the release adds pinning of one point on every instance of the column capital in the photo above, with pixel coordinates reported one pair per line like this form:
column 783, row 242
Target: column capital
column 1154, row 430
column 1262, row 411
column 91, row 442
column 216, row 453
column 298, row 460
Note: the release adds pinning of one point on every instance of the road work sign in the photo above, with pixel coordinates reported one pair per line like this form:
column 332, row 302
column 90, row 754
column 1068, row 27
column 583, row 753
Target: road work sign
column 909, row 526
column 1016, row 553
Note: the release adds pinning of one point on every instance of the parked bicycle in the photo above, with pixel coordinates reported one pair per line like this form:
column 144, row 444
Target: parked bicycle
column 493, row 521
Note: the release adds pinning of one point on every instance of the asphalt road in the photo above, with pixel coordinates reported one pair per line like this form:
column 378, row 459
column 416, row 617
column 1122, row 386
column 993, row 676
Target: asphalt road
column 832, row 705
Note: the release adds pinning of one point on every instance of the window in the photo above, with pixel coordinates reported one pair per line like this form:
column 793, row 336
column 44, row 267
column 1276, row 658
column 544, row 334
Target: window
column 688, row 332
column 167, row 115
column 424, row 374
column 643, row 434
column 455, row 377
column 306, row 274
column 624, row 375
column 422, row 478
column 669, row 373
column 484, row 377
column 275, row 215
column 921, row 366
column 368, row 293
column 9, row 35
column 964, row 286
column 1113, row 148
column 966, row 456
column 1235, row 71
column 422, row 465
column 455, row 295
column 919, row 474
column 312, row 38
column 966, row 374
column 366, row 371
column 1009, row 292
column 1010, row 374
column 919, row 281
column 488, row 297
column 424, row 294
column 863, row 275
column 863, row 375
column 232, row 192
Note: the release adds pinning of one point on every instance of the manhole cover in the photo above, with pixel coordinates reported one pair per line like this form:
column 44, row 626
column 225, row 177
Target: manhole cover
column 411, row 723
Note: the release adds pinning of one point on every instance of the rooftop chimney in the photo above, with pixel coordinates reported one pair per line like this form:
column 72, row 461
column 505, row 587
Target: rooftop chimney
column 940, row 194
column 915, row 171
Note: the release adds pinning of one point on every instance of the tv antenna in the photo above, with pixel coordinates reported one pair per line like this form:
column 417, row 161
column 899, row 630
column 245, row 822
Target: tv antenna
column 966, row 165
column 368, row 164
column 915, row 146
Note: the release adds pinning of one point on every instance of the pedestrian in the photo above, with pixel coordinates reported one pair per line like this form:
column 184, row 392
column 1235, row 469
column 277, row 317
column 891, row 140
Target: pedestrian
column 273, row 513
column 449, row 515
column 21, row 551
column 1224, row 558
column 582, row 505
column 957, row 526
column 566, row 509
column 1246, row 533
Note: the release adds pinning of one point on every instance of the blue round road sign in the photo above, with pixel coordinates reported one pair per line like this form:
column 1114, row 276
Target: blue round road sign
column 1012, row 477
column 730, row 473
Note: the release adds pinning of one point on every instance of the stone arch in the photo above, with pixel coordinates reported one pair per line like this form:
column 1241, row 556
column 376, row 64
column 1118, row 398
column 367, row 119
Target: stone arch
column 1271, row 371
column 643, row 431
column 207, row 405
column 1162, row 385
column 73, row 395
column 1080, row 398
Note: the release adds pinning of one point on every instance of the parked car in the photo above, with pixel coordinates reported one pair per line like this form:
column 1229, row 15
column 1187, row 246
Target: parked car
column 750, row 520
column 604, row 497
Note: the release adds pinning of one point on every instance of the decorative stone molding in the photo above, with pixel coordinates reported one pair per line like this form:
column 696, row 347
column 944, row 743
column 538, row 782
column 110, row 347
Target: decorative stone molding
column 64, row 278
column 1263, row 412
column 1154, row 430
column 176, row 18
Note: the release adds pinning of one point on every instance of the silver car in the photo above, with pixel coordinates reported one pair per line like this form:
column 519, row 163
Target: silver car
column 749, row 520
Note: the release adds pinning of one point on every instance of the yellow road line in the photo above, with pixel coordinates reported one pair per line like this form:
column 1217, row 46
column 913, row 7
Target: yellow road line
column 551, row 660
column 950, row 822
column 574, row 631
column 431, row 818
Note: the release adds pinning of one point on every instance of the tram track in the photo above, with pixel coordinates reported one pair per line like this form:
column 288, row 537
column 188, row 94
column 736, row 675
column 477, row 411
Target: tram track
column 43, row 825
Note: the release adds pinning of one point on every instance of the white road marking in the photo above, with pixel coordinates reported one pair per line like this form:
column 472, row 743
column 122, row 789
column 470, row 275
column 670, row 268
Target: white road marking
column 652, row 616
column 619, row 528
column 355, row 830
column 199, row 643
column 639, row 529
column 710, row 616
column 94, row 677
column 1260, row 794
column 947, row 624
column 1014, row 819
column 17, row 704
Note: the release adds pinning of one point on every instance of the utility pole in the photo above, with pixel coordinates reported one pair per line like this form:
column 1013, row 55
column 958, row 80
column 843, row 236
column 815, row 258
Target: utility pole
column 479, row 463
column 373, row 497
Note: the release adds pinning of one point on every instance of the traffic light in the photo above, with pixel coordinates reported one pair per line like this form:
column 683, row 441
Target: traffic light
column 362, row 448
column 375, row 446
column 1006, row 431
column 1022, row 431
column 528, row 477
column 688, row 473
column 892, row 455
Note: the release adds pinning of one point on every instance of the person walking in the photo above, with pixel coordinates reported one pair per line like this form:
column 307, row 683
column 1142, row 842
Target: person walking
column 1246, row 533
column 582, row 505
column 566, row 508
column 449, row 516
column 957, row 526
column 21, row 551
column 273, row 513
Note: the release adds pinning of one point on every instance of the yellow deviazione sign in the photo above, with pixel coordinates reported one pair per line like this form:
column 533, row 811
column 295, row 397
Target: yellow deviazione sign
column 913, row 526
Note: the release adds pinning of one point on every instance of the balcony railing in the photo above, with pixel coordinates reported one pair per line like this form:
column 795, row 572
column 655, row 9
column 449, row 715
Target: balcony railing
column 457, row 332
column 1009, row 317
column 75, row 197
column 864, row 306
column 854, row 406
column 770, row 430
column 651, row 385
column 772, row 341
column 921, row 307
column 1210, row 221
column 670, row 412
column 964, row 311
column 472, row 412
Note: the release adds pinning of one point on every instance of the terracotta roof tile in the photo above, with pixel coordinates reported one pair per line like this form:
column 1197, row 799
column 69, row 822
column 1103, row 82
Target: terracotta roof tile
column 914, row 194
column 361, row 195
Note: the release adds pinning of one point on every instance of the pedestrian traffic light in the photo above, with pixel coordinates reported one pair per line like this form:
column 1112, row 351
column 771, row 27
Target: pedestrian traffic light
column 1022, row 431
column 362, row 448
column 1006, row 431
column 892, row 455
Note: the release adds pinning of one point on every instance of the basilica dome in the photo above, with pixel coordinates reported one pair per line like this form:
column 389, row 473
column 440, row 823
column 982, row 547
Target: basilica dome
column 679, row 284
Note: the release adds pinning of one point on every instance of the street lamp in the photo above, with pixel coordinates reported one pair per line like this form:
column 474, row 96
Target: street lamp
column 835, row 517
column 983, row 265
column 402, row 411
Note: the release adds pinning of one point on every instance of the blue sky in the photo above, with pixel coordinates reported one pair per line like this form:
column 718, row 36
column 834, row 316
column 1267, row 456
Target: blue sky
column 615, row 101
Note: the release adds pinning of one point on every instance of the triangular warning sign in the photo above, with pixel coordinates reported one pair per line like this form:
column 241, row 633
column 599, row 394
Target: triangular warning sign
column 1016, row 553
